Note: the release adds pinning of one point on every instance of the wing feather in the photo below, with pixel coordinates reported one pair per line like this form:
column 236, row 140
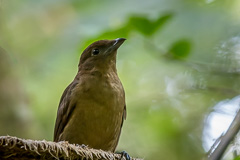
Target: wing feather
column 65, row 110
column 124, row 116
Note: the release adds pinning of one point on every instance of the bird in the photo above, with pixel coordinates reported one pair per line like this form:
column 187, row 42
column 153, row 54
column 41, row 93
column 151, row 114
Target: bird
column 92, row 108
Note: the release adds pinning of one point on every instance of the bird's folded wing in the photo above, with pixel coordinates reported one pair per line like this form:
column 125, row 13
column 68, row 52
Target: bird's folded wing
column 123, row 118
column 65, row 108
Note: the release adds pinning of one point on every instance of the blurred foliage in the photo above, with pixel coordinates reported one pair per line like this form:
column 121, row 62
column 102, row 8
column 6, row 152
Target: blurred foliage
column 180, row 49
column 180, row 59
column 237, row 158
column 138, row 23
column 146, row 26
column 11, row 96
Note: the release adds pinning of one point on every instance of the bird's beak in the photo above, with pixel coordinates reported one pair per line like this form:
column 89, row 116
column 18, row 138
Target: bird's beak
column 117, row 43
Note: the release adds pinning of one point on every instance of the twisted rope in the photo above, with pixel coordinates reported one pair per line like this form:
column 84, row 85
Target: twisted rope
column 17, row 148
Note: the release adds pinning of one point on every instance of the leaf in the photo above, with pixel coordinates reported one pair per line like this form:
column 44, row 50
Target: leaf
column 180, row 49
column 148, row 27
column 139, row 23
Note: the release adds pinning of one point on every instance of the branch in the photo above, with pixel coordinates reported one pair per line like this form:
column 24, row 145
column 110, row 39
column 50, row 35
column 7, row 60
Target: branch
column 226, row 139
column 17, row 148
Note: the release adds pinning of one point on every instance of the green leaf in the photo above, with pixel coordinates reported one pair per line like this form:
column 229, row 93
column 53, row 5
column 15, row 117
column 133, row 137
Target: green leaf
column 180, row 49
column 146, row 26
column 139, row 23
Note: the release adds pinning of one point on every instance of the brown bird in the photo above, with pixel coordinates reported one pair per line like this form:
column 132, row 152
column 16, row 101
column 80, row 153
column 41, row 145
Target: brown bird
column 92, row 108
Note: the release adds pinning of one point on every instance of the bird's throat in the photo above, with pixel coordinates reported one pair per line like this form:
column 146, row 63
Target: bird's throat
column 98, row 69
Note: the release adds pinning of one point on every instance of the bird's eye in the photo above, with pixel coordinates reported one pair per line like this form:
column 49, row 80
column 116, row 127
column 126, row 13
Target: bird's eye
column 95, row 52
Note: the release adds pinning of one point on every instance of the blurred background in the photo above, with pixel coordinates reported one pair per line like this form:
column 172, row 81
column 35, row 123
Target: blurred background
column 180, row 68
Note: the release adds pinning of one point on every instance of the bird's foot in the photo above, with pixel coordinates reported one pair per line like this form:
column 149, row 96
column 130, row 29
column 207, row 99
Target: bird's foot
column 125, row 154
column 82, row 145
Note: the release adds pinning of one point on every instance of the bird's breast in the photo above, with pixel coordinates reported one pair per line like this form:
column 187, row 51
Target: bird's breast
column 99, row 110
column 102, row 89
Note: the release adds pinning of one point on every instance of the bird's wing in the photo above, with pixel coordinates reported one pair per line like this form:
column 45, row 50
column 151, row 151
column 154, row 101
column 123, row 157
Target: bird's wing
column 65, row 108
column 124, row 116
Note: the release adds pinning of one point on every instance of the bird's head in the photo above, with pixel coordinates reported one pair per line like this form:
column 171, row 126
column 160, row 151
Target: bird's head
column 101, row 54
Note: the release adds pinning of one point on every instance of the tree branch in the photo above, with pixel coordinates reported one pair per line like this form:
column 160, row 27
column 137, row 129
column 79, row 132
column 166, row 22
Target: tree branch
column 226, row 138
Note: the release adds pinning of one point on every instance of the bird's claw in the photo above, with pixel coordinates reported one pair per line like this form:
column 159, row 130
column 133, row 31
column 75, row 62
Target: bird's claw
column 82, row 145
column 125, row 154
